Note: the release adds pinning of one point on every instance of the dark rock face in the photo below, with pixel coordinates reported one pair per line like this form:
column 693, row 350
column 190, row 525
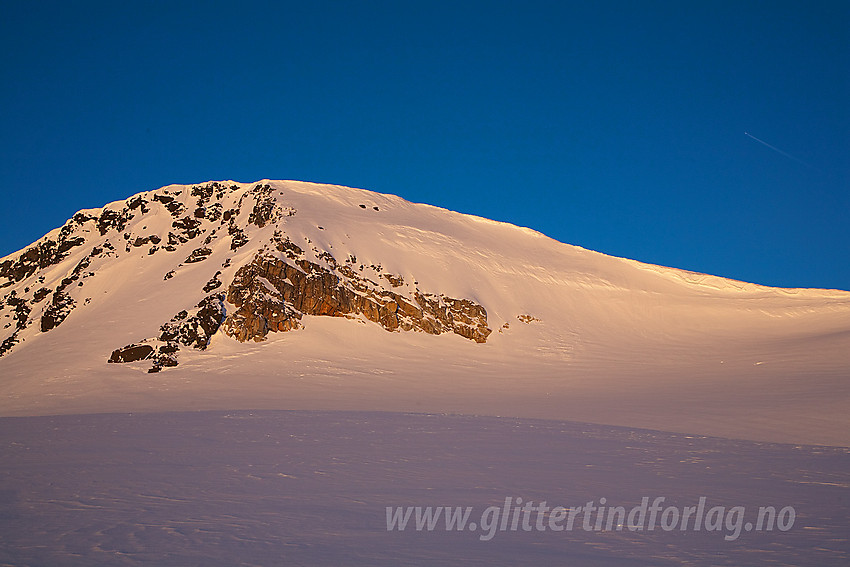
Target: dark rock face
column 141, row 241
column 42, row 255
column 190, row 328
column 40, row 294
column 61, row 304
column 187, row 229
column 21, row 315
column 214, row 283
column 60, row 307
column 174, row 207
column 196, row 328
column 395, row 281
column 111, row 219
column 264, row 209
column 131, row 353
column 259, row 308
column 8, row 343
column 22, row 310
column 138, row 202
column 271, row 294
column 198, row 255
column 237, row 236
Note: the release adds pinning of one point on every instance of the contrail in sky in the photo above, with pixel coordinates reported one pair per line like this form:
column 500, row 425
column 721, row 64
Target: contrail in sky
column 775, row 149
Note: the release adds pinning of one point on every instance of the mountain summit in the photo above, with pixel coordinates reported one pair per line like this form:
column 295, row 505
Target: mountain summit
column 293, row 294
column 268, row 290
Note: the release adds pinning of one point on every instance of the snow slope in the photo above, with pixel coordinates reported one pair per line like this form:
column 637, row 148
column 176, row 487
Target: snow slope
column 576, row 335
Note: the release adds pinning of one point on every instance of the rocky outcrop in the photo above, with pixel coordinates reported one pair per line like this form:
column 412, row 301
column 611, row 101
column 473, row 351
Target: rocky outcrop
column 113, row 219
column 21, row 310
column 195, row 328
column 260, row 307
column 272, row 293
column 194, row 213
column 264, row 210
column 131, row 353
column 182, row 226
column 213, row 283
column 189, row 328
column 198, row 255
column 60, row 307
column 24, row 308
column 21, row 316
column 46, row 253
column 186, row 229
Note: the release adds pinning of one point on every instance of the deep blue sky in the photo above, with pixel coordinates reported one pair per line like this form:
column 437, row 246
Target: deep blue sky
column 617, row 126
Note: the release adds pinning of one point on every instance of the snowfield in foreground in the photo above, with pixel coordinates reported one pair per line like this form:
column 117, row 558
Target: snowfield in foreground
column 312, row 488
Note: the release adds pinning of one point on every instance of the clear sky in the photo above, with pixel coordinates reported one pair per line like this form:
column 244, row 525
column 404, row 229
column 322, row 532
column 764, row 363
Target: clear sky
column 616, row 126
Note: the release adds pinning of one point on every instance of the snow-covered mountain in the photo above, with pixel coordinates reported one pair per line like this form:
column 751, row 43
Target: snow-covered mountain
column 284, row 294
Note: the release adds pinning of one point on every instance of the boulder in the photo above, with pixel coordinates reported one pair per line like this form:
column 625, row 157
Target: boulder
column 131, row 353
